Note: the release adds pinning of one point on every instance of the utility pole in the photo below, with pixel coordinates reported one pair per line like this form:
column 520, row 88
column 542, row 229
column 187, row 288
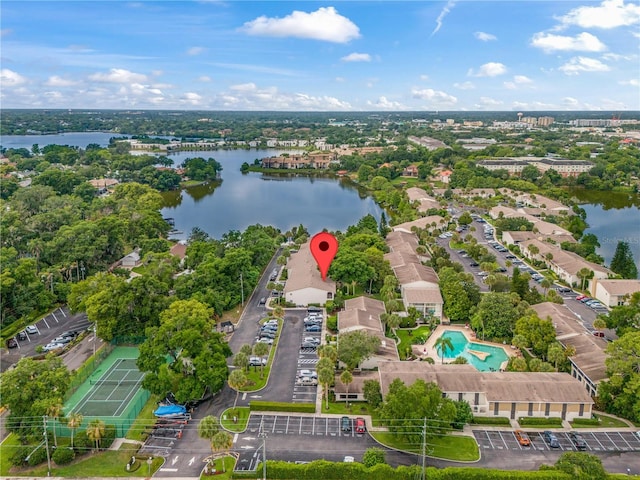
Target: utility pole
column 424, row 449
column 262, row 434
column 241, row 289
column 46, row 445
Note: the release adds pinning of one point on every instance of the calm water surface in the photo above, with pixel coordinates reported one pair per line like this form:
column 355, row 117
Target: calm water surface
column 284, row 200
column 612, row 217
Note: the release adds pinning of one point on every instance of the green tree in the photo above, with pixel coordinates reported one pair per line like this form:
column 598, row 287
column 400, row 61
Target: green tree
column 622, row 262
column 222, row 441
column 74, row 420
column 346, row 378
column 261, row 350
column 584, row 274
column 621, row 392
column 581, row 466
column 356, row 346
column 539, row 333
column 237, row 379
column 30, row 388
column 443, row 345
column 196, row 352
column 497, row 314
column 328, row 351
column 464, row 414
column 95, row 432
column 326, row 378
column 406, row 407
column 373, row 456
column 54, row 411
column 372, row 393
column 555, row 354
column 208, row 427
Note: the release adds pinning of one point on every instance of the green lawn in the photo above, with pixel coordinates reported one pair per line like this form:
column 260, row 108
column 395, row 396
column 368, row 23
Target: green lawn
column 226, row 420
column 410, row 336
column 355, row 408
column 6, row 450
column 229, row 463
column 449, row 447
column 105, row 464
column 605, row 421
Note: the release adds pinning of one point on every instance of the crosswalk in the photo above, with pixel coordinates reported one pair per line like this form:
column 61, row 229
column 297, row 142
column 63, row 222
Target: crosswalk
column 307, row 361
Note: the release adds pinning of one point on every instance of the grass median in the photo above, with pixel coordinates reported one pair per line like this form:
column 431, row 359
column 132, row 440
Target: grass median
column 448, row 447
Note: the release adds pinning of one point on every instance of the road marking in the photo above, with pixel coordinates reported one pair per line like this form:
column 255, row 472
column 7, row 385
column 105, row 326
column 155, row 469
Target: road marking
column 246, row 447
column 44, row 319
column 488, row 438
column 625, row 440
column 54, row 317
column 244, row 395
column 193, row 459
column 168, row 469
column 175, row 459
column 598, row 440
column 62, row 311
column 286, row 429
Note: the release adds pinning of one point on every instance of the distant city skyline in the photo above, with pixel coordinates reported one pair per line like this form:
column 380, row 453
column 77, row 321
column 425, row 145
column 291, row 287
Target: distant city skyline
column 527, row 56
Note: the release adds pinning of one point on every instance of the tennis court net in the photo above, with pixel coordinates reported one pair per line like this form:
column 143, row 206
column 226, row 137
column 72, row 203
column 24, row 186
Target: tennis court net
column 115, row 382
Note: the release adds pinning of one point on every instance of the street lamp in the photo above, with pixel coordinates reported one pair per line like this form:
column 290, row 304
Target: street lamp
column 149, row 462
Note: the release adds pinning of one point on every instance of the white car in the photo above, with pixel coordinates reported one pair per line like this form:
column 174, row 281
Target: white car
column 308, row 373
column 268, row 341
column 307, row 381
column 52, row 346
column 31, row 329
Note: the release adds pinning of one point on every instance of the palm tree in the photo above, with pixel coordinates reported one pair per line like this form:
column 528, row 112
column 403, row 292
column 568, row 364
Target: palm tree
column 261, row 350
column 221, row 442
column 278, row 311
column 328, row 351
column 584, row 274
column 208, row 427
column 54, row 410
column 443, row 344
column 241, row 360
column 599, row 324
column 346, row 378
column 325, row 377
column 237, row 379
column 95, row 431
column 393, row 321
column 545, row 284
column 74, row 420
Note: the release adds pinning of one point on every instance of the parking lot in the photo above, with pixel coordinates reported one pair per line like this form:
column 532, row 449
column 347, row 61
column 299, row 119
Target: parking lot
column 307, row 360
column 283, row 429
column 596, row 441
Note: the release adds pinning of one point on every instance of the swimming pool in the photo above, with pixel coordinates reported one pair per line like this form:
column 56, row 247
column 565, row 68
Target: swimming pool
column 493, row 356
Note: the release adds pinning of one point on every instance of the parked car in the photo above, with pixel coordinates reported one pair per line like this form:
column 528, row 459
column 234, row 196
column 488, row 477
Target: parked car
column 62, row 340
column 563, row 289
column 474, row 264
column 349, row 459
column 581, row 297
column 268, row 341
column 268, row 334
column 578, row 441
column 52, row 346
column 22, row 335
column 257, row 361
column 311, row 340
column 313, row 328
column 308, row 373
column 551, row 439
column 12, row 343
column 510, row 257
column 307, row 381
column 308, row 345
column 345, row 424
column 262, row 301
column 523, row 438
column 31, row 329
column 360, row 425
column 269, row 328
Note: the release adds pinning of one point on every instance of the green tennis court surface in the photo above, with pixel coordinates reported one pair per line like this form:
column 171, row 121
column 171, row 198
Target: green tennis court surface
column 113, row 392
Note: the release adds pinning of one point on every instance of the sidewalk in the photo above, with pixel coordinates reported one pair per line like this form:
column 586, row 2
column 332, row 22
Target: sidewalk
column 117, row 443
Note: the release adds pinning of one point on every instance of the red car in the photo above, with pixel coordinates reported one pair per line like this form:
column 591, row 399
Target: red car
column 581, row 297
column 360, row 425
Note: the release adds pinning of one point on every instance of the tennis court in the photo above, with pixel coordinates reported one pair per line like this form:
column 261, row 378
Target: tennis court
column 113, row 392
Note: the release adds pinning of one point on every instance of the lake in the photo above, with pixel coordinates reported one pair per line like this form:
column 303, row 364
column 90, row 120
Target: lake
column 612, row 217
column 282, row 200
column 73, row 139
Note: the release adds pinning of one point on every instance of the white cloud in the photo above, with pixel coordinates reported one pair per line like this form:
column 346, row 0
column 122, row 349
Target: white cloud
column 489, row 102
column 204, row 78
column 424, row 78
column 340, row 79
column 118, row 75
column 609, row 14
column 491, row 69
column 9, row 78
column 324, row 24
column 583, row 64
column 570, row 101
column 582, row 42
column 522, row 79
column 633, row 82
column 244, row 87
column 57, row 81
column 464, row 86
column 510, row 85
column 485, row 37
column 443, row 13
column 191, row 98
column 385, row 104
column 196, row 51
column 434, row 96
column 357, row 57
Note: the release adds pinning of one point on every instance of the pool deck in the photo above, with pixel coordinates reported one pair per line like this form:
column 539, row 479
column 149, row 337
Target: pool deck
column 429, row 350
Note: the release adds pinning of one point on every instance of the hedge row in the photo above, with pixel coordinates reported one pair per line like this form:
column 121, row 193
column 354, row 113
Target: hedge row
column 324, row 470
column 533, row 421
column 490, row 421
column 264, row 406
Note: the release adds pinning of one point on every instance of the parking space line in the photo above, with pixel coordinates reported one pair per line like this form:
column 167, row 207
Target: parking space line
column 62, row 311
column 489, row 438
column 546, row 447
column 300, row 429
column 503, row 440
column 313, row 425
column 54, row 317
column 44, row 319
column 625, row 440
column 286, row 429
column 598, row 440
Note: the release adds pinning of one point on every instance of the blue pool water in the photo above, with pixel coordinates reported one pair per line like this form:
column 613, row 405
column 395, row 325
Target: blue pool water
column 461, row 347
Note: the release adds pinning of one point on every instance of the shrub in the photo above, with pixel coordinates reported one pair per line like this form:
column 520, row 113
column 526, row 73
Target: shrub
column 37, row 457
column 63, row 455
column 109, row 436
column 81, row 441
column 373, row 456
column 586, row 421
column 332, row 323
column 20, row 455
column 533, row 421
column 261, row 406
column 490, row 421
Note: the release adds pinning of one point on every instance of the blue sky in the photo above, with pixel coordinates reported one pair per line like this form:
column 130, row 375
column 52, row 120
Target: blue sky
column 321, row 56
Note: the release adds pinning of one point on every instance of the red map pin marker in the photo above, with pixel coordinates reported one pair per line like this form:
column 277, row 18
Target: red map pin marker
column 323, row 247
